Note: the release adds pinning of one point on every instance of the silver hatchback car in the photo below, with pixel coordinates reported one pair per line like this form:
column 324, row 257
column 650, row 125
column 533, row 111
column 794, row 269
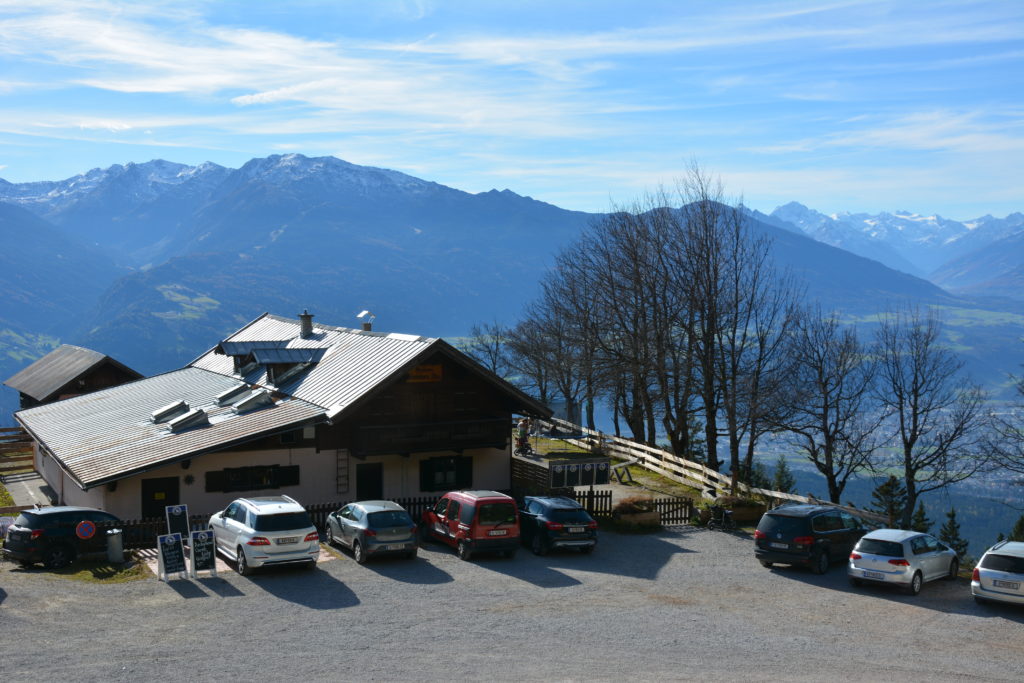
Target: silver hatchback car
column 373, row 527
column 903, row 558
column 999, row 576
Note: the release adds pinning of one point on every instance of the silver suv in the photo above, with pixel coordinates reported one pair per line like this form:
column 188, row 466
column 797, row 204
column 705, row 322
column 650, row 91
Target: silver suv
column 255, row 532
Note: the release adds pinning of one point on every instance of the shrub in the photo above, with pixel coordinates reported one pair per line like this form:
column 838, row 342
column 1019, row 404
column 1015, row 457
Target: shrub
column 632, row 505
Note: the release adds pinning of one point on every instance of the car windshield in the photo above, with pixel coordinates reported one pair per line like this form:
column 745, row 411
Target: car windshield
column 388, row 518
column 282, row 522
column 497, row 513
column 874, row 546
column 781, row 524
column 578, row 516
column 1003, row 563
column 26, row 520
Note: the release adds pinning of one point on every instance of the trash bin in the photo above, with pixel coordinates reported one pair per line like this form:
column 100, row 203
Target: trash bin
column 115, row 546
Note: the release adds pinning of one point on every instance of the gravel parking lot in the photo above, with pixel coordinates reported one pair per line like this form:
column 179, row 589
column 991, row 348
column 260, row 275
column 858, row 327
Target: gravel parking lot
column 682, row 604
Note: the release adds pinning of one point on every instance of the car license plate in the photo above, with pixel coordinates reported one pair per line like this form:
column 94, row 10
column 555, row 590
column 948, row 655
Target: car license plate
column 398, row 546
column 575, row 530
column 1015, row 585
column 874, row 575
column 779, row 545
column 286, row 541
column 497, row 532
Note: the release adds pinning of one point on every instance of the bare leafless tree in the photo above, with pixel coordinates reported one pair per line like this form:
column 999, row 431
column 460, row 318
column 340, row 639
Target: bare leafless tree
column 1006, row 441
column 529, row 358
column 674, row 314
column 827, row 403
column 938, row 422
column 487, row 346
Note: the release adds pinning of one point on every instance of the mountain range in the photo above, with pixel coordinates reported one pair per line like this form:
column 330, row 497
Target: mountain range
column 153, row 263
column 915, row 244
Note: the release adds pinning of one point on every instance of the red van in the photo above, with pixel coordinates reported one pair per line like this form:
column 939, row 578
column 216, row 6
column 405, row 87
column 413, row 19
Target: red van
column 474, row 521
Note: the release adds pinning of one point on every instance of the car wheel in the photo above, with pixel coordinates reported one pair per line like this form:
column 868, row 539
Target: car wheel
column 538, row 546
column 767, row 564
column 464, row 552
column 241, row 564
column 915, row 584
column 329, row 534
column 25, row 564
column 311, row 565
column 358, row 553
column 59, row 556
column 954, row 569
column 821, row 562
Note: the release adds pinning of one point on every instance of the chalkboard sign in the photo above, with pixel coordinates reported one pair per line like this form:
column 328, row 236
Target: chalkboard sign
column 172, row 555
column 177, row 520
column 202, row 552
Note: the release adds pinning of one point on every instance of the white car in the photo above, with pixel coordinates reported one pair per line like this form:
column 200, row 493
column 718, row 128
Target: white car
column 999, row 576
column 256, row 532
column 903, row 558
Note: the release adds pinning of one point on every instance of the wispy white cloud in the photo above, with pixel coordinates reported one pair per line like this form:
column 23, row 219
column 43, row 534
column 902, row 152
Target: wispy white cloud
column 973, row 132
column 576, row 112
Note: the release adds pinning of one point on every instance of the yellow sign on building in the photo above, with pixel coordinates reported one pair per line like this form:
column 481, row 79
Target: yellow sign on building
column 425, row 373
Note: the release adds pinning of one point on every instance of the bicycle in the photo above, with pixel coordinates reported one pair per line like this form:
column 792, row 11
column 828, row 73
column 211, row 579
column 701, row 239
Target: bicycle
column 721, row 518
column 523, row 446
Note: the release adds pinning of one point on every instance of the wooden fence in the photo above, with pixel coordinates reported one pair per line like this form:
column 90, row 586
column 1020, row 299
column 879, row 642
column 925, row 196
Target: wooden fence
column 14, row 440
column 16, row 452
column 710, row 482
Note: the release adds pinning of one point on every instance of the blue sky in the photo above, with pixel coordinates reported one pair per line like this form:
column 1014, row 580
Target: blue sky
column 859, row 106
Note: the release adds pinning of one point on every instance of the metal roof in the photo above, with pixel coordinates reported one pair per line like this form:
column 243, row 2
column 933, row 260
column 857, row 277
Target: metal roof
column 56, row 369
column 109, row 433
column 358, row 362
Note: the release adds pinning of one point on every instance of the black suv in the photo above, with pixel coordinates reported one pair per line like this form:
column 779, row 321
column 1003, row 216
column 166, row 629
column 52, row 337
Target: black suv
column 556, row 522
column 809, row 535
column 55, row 536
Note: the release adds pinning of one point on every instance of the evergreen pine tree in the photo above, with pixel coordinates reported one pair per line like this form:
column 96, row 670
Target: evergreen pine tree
column 950, row 534
column 784, row 480
column 920, row 521
column 888, row 499
column 1017, row 533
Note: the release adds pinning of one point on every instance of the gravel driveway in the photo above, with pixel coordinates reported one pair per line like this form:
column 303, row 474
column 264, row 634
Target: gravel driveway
column 685, row 603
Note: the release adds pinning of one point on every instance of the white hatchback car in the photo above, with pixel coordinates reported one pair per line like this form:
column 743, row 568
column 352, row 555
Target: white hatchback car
column 999, row 576
column 904, row 558
column 256, row 532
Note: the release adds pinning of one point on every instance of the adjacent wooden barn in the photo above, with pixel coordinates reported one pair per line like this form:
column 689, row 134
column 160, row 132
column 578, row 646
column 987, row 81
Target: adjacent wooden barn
column 68, row 371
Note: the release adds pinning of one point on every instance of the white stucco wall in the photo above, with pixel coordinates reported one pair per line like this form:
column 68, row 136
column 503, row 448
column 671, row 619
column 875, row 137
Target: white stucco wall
column 317, row 479
column 491, row 470
column 66, row 490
